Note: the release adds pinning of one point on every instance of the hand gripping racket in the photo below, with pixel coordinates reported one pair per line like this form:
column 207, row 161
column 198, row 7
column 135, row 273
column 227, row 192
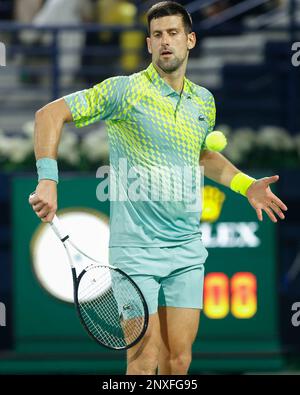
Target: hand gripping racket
column 110, row 305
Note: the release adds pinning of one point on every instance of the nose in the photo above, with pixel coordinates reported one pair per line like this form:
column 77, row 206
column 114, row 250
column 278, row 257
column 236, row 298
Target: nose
column 165, row 39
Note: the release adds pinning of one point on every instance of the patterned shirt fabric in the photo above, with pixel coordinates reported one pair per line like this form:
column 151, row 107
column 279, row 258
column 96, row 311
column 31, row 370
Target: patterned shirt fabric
column 155, row 138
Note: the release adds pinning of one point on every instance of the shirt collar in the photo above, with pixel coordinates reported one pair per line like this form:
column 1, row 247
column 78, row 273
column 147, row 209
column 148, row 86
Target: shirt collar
column 163, row 87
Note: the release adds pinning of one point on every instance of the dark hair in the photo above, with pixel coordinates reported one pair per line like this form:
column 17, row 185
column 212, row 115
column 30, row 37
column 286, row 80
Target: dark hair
column 167, row 8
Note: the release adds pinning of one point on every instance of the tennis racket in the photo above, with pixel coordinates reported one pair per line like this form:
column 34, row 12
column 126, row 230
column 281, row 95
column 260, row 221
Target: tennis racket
column 110, row 305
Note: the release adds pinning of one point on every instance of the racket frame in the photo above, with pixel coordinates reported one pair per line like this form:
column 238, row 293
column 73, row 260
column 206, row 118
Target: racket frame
column 65, row 239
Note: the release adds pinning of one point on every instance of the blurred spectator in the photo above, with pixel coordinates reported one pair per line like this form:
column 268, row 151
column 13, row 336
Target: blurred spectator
column 122, row 50
column 25, row 10
column 57, row 13
column 122, row 13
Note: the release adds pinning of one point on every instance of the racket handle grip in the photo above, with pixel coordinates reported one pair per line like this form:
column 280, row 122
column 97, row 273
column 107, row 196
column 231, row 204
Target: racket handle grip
column 58, row 229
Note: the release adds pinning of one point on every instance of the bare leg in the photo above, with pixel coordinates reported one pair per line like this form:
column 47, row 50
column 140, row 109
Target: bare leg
column 143, row 357
column 179, row 327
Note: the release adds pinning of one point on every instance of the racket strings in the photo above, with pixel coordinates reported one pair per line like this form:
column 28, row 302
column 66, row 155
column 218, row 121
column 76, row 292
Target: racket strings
column 111, row 307
column 109, row 329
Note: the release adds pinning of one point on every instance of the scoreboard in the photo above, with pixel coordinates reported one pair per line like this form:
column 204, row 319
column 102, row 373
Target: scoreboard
column 237, row 295
column 238, row 330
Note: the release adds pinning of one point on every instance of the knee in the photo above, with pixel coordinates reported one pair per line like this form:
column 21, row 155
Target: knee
column 146, row 365
column 180, row 362
column 145, row 360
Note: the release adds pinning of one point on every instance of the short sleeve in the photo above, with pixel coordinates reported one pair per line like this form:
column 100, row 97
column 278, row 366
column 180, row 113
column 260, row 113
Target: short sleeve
column 103, row 101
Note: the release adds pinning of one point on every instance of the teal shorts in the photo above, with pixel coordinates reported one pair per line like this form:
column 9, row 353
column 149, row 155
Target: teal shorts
column 167, row 276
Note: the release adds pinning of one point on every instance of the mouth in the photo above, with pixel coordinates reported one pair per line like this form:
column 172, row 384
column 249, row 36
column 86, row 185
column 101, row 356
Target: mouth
column 166, row 53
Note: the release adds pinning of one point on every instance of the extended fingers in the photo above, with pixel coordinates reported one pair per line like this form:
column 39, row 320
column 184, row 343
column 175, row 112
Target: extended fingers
column 277, row 210
column 270, row 209
column 270, row 214
column 279, row 203
column 259, row 214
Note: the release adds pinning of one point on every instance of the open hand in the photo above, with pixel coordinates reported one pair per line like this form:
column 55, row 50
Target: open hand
column 261, row 198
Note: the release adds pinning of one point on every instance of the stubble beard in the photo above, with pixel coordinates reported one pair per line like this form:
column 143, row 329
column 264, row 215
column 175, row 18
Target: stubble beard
column 171, row 65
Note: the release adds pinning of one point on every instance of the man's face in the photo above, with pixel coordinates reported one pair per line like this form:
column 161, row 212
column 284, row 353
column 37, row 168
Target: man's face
column 169, row 43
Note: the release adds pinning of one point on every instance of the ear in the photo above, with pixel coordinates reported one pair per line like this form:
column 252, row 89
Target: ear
column 191, row 40
column 149, row 45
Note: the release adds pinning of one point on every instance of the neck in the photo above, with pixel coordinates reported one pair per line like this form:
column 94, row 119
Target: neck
column 174, row 79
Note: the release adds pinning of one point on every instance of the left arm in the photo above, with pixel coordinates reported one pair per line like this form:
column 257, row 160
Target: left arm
column 217, row 167
column 259, row 194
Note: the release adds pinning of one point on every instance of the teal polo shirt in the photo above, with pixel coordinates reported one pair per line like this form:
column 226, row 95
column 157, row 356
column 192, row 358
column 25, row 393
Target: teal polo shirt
column 155, row 139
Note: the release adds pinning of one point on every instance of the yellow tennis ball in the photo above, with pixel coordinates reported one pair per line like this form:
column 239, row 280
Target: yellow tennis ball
column 215, row 141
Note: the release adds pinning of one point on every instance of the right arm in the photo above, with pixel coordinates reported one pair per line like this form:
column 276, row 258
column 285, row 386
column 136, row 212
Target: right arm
column 101, row 102
column 49, row 122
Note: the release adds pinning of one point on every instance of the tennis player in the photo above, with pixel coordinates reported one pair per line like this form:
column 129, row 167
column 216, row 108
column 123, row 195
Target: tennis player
column 157, row 119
